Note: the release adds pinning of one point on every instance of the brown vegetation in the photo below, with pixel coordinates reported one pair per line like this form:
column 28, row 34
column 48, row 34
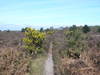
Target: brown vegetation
column 13, row 62
column 74, row 52
column 13, row 59
column 12, row 38
column 88, row 62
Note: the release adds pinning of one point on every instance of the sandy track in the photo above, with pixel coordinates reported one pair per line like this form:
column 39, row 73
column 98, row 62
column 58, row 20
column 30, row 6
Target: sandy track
column 49, row 66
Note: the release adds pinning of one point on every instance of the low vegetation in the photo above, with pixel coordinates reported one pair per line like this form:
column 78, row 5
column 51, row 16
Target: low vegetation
column 75, row 42
column 76, row 50
column 14, row 62
column 37, row 66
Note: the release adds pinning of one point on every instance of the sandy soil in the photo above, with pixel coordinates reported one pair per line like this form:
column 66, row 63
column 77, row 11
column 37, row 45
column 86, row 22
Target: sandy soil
column 49, row 70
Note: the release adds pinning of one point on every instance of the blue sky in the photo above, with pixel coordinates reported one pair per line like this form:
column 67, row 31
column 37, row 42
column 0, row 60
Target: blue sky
column 44, row 13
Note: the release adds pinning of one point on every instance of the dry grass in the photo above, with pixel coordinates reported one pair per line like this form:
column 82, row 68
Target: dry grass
column 13, row 62
column 87, row 64
column 12, row 38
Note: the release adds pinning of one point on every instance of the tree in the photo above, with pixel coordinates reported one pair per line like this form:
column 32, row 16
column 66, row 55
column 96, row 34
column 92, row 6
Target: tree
column 41, row 30
column 98, row 30
column 24, row 29
column 51, row 28
column 8, row 30
column 33, row 40
column 86, row 29
column 73, row 28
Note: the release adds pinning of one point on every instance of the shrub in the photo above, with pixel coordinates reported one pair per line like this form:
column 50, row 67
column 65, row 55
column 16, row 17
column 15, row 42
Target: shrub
column 14, row 62
column 75, row 42
column 33, row 40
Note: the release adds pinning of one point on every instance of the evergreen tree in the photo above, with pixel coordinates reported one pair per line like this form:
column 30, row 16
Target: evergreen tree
column 86, row 29
column 73, row 28
column 98, row 30
column 41, row 30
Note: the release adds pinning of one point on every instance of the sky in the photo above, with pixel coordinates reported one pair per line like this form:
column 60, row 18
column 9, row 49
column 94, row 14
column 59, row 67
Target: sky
column 15, row 14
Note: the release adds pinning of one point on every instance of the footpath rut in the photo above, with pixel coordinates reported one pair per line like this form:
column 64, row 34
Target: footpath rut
column 49, row 65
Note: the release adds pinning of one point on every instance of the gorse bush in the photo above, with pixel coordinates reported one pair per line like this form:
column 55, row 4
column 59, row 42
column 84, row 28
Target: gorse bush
column 33, row 40
column 75, row 42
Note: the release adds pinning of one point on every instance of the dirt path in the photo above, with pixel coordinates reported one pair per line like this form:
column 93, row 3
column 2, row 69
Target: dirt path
column 49, row 63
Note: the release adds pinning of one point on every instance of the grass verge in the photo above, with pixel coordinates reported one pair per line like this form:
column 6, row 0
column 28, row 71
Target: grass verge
column 37, row 65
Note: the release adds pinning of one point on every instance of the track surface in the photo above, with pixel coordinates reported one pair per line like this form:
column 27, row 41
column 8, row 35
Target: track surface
column 49, row 70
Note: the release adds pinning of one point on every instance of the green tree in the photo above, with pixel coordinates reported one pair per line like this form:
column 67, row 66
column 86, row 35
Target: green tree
column 41, row 29
column 24, row 29
column 98, row 29
column 86, row 29
column 73, row 28
column 33, row 40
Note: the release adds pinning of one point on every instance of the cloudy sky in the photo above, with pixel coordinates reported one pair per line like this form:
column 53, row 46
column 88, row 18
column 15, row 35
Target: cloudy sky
column 38, row 13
